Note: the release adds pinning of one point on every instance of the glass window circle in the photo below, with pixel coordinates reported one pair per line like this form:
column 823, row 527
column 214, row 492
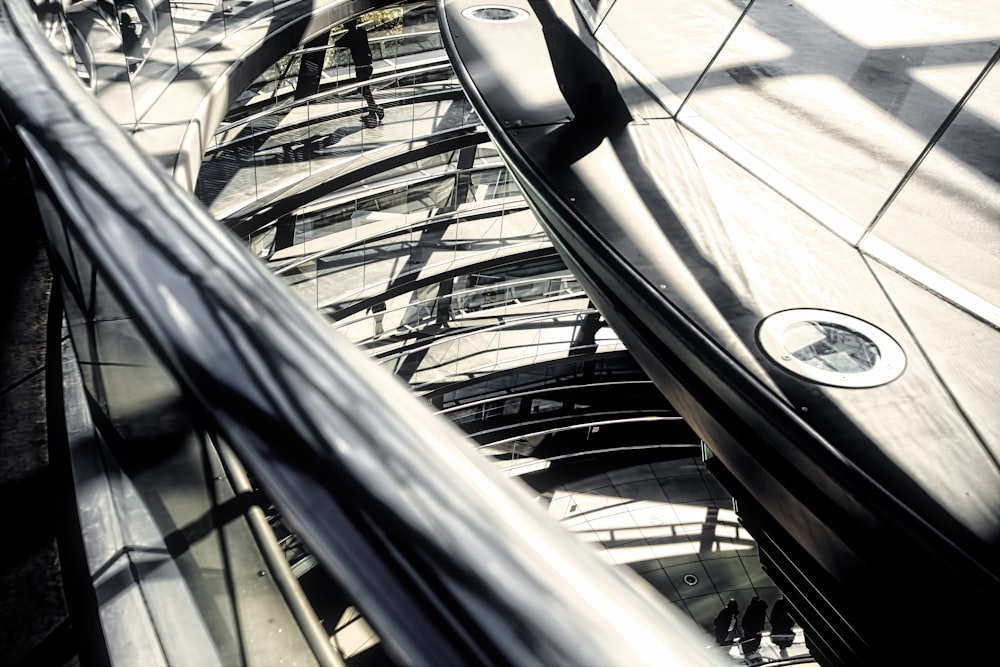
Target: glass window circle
column 831, row 348
column 494, row 13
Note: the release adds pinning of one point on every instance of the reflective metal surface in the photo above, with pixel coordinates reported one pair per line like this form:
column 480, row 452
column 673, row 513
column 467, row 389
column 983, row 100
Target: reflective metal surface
column 768, row 144
column 451, row 563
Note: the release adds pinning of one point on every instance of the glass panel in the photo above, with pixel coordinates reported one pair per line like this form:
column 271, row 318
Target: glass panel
column 139, row 394
column 830, row 347
column 170, row 493
column 835, row 104
column 677, row 43
column 946, row 216
column 226, row 178
column 282, row 148
column 302, row 280
column 80, row 333
column 385, row 27
column 262, row 244
column 189, row 16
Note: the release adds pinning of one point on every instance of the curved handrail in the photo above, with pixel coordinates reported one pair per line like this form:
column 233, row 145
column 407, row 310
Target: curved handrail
column 506, row 323
column 337, row 91
column 488, row 209
column 271, row 552
column 486, row 403
column 452, row 563
column 464, row 296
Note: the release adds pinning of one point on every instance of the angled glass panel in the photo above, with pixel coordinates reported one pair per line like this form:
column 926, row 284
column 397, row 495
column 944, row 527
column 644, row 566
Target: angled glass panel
column 833, row 98
column 302, row 280
column 676, row 43
column 946, row 216
column 519, row 336
column 188, row 17
column 229, row 177
column 149, row 44
column 606, row 368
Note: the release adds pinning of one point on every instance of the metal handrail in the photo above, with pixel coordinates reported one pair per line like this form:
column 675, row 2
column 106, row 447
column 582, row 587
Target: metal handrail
column 342, row 90
column 451, row 562
column 488, row 209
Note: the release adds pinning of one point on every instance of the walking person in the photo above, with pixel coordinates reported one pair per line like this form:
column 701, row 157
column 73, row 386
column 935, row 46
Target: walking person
column 131, row 46
column 356, row 39
column 378, row 315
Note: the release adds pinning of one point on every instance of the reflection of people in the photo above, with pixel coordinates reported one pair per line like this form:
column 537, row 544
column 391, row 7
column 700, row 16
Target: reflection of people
column 725, row 623
column 586, row 337
column 444, row 302
column 130, row 41
column 356, row 39
column 378, row 314
column 782, row 634
column 753, row 625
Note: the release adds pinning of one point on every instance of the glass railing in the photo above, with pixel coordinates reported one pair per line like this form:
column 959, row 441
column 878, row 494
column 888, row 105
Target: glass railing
column 571, row 398
column 395, row 53
column 608, row 368
column 332, row 282
column 188, row 361
column 418, row 191
column 139, row 45
column 442, row 302
column 463, row 308
column 548, row 330
column 260, row 157
column 428, row 196
column 524, row 454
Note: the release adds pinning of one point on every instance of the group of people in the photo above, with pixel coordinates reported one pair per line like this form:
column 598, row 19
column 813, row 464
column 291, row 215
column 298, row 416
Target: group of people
column 729, row 626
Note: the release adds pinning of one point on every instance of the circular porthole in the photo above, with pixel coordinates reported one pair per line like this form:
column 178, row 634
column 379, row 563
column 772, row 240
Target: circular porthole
column 494, row 13
column 831, row 348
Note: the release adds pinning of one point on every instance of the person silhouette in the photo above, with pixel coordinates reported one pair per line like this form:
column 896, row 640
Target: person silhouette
column 130, row 41
column 753, row 625
column 356, row 40
column 585, row 341
column 782, row 632
column 378, row 315
column 725, row 623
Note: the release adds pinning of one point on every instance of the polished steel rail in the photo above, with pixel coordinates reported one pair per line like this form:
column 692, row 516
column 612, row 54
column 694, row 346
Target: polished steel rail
column 451, row 563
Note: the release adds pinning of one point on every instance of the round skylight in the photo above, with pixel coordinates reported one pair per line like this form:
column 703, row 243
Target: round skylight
column 494, row 13
column 831, row 348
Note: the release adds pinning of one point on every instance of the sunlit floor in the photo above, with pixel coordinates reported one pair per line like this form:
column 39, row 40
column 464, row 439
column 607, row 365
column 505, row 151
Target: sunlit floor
column 673, row 523
column 768, row 651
